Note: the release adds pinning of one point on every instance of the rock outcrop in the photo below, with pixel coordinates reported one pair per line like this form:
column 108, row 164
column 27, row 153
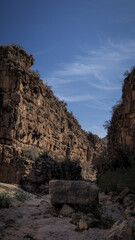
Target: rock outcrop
column 33, row 122
column 73, row 192
column 121, row 132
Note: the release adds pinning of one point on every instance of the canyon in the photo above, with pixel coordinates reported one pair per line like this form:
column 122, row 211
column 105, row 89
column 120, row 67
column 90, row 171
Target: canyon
column 36, row 130
column 41, row 141
column 121, row 132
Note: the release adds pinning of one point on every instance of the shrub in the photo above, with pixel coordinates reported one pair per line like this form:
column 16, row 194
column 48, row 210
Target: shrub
column 101, row 163
column 5, row 200
column 31, row 153
column 126, row 73
column 107, row 124
column 121, row 159
column 63, row 103
column 117, row 180
column 110, row 124
column 37, row 74
column 21, row 195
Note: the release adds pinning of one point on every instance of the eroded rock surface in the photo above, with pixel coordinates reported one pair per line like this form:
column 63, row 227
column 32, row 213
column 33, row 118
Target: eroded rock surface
column 121, row 133
column 33, row 122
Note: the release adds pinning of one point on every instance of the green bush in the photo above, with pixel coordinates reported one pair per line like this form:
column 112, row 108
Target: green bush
column 5, row 200
column 21, row 196
column 101, row 163
column 117, row 180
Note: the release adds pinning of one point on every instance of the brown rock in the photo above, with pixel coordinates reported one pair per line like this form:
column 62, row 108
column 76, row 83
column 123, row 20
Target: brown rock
column 129, row 204
column 120, row 231
column 73, row 192
column 66, row 211
column 87, row 222
column 76, row 217
column 33, row 121
column 112, row 211
column 129, row 201
column 121, row 133
column 121, row 196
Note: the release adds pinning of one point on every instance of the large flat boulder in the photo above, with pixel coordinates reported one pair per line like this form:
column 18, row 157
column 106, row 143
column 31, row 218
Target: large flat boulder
column 72, row 192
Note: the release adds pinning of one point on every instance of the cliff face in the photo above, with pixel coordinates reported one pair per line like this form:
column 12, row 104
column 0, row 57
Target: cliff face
column 33, row 121
column 121, row 133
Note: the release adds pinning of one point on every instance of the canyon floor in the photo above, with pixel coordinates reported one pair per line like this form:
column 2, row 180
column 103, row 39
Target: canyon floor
column 35, row 219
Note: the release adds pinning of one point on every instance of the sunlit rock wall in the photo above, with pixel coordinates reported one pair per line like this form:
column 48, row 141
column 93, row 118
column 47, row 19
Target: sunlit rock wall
column 33, row 121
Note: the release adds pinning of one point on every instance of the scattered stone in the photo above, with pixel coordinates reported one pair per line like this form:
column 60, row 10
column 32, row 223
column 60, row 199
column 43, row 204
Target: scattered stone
column 129, row 205
column 112, row 211
column 34, row 220
column 87, row 222
column 121, row 196
column 120, row 231
column 76, row 217
column 103, row 198
column 66, row 211
column 129, row 201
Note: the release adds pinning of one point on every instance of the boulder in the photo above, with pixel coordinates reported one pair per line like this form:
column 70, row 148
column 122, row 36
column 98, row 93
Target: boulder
column 112, row 211
column 121, row 196
column 73, row 192
column 87, row 222
column 76, row 217
column 129, row 201
column 120, row 231
column 66, row 211
column 129, row 205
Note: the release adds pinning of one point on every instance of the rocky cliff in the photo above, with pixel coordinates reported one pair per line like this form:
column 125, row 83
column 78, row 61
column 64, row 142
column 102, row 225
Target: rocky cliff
column 121, row 132
column 33, row 122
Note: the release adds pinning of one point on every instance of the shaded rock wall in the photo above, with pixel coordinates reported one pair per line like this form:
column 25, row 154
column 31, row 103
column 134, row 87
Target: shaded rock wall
column 121, row 133
column 33, row 121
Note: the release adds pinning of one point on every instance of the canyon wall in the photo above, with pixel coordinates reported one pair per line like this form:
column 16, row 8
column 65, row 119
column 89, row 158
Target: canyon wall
column 121, row 132
column 33, row 122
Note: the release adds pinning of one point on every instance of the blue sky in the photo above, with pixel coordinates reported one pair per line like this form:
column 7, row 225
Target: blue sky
column 81, row 48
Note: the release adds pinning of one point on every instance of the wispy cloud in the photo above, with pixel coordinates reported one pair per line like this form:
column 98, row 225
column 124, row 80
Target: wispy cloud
column 93, row 79
column 78, row 98
column 96, row 129
column 105, row 87
column 99, row 131
column 91, row 101
column 95, row 66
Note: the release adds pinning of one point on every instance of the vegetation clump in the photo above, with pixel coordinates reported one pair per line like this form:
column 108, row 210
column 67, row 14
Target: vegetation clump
column 21, row 195
column 5, row 200
column 116, row 164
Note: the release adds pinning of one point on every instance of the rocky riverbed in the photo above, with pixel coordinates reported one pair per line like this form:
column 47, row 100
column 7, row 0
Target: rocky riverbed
column 36, row 219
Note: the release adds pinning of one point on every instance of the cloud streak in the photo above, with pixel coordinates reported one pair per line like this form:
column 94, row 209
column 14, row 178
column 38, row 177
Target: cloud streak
column 93, row 80
column 78, row 98
column 96, row 65
column 105, row 88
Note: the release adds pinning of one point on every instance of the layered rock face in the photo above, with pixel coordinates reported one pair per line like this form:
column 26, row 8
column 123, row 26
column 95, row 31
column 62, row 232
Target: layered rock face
column 33, row 122
column 121, row 133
